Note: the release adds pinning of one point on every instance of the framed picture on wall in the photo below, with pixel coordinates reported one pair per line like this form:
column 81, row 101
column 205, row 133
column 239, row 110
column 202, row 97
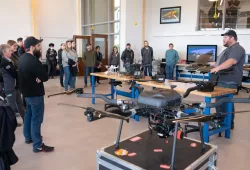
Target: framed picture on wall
column 170, row 15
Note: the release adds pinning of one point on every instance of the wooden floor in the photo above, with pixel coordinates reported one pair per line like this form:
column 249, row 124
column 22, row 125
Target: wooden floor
column 76, row 140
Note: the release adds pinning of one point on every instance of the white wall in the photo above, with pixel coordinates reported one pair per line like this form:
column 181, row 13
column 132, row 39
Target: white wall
column 131, row 12
column 15, row 19
column 56, row 21
column 160, row 35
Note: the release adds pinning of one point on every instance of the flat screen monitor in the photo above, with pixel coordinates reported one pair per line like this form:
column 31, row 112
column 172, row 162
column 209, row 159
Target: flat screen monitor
column 247, row 61
column 194, row 51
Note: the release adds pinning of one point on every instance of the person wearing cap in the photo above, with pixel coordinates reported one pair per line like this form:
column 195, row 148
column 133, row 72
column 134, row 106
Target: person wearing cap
column 89, row 60
column 233, row 57
column 63, row 47
column 51, row 60
column 127, row 57
column 20, row 49
column 31, row 75
column 70, row 63
column 10, row 80
column 147, row 58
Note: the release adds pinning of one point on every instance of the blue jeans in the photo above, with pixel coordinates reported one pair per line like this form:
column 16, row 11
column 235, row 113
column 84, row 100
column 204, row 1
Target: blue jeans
column 147, row 70
column 61, row 75
column 33, row 120
column 87, row 70
column 170, row 71
column 69, row 80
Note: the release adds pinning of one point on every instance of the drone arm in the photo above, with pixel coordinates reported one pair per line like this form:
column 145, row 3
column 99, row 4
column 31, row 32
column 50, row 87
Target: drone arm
column 190, row 90
column 227, row 100
column 101, row 96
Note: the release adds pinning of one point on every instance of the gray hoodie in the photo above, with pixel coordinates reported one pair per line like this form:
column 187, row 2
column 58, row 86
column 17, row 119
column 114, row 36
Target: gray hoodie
column 70, row 54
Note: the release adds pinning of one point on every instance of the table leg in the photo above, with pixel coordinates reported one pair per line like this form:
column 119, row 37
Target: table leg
column 206, row 126
column 176, row 72
column 209, row 75
column 93, row 88
column 112, row 89
column 229, row 118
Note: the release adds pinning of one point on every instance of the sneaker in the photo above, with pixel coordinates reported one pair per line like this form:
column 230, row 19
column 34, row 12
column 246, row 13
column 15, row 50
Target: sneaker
column 29, row 141
column 44, row 148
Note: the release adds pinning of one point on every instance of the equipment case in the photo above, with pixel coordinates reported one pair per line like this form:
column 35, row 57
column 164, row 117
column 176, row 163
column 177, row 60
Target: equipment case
column 186, row 157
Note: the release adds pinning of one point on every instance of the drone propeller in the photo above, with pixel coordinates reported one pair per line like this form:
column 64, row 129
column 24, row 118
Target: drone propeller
column 97, row 113
column 204, row 118
column 77, row 91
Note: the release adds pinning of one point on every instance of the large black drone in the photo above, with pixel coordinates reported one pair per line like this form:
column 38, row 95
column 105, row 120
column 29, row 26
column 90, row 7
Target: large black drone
column 164, row 110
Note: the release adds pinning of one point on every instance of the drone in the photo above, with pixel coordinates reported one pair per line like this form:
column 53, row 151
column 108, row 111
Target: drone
column 111, row 69
column 164, row 110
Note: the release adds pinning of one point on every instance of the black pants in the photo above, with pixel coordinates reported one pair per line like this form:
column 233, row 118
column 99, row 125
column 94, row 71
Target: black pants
column 51, row 69
column 96, row 70
column 223, row 108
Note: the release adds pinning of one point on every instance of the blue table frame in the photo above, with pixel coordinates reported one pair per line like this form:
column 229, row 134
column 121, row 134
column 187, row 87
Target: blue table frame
column 133, row 94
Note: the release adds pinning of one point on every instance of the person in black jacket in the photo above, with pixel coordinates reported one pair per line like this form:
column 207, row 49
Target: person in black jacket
column 127, row 57
column 63, row 47
column 98, row 65
column 51, row 60
column 147, row 58
column 10, row 80
column 7, row 135
column 32, row 74
column 20, row 49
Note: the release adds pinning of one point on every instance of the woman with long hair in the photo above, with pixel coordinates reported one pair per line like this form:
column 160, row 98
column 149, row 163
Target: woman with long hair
column 115, row 57
column 69, row 62
column 13, row 48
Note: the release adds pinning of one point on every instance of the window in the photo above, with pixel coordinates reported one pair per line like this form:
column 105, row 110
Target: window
column 224, row 14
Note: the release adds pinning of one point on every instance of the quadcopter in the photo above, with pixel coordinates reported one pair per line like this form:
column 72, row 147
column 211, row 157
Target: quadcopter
column 111, row 70
column 164, row 110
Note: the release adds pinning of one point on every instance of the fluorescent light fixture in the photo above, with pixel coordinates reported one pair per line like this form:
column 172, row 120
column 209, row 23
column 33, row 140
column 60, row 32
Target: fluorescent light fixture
column 221, row 1
column 212, row 0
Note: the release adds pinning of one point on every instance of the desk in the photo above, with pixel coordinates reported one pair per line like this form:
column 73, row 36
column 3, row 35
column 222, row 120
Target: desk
column 218, row 92
column 112, row 77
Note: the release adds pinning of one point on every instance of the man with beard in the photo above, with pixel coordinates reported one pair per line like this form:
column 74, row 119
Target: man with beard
column 20, row 49
column 127, row 57
column 51, row 60
column 31, row 77
column 232, row 57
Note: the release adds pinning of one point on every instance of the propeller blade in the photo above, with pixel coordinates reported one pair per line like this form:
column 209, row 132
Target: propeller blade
column 77, row 90
column 70, row 105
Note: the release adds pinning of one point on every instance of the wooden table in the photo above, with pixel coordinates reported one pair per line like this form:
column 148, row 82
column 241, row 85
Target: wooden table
column 182, row 87
column 208, row 96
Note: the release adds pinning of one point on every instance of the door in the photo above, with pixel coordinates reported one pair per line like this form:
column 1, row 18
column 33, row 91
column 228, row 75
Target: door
column 101, row 41
column 81, row 42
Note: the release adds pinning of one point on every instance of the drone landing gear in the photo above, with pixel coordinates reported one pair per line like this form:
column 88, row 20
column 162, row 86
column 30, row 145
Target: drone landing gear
column 117, row 143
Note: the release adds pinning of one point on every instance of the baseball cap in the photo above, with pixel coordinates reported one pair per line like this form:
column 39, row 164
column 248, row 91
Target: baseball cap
column 31, row 41
column 230, row 33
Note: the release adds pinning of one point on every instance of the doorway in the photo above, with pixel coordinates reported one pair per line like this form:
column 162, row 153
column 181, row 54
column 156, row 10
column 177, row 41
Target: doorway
column 96, row 40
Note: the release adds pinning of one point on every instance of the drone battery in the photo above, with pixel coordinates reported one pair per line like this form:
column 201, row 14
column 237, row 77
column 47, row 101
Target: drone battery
column 144, row 156
column 159, row 78
column 160, row 98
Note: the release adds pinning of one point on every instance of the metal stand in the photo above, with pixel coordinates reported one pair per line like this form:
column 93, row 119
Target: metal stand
column 203, row 146
column 174, row 146
column 119, row 135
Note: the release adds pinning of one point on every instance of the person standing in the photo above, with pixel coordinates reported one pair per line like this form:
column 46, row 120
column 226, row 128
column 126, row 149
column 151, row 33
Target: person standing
column 172, row 58
column 20, row 49
column 114, row 57
column 73, row 45
column 31, row 77
column 9, row 73
column 69, row 62
column 98, row 65
column 51, row 60
column 13, row 48
column 89, row 60
column 232, row 57
column 147, row 58
column 63, row 47
column 127, row 57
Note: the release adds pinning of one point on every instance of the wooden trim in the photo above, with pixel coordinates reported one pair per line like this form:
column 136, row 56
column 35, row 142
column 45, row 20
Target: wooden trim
column 143, row 20
column 79, row 15
column 34, row 17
